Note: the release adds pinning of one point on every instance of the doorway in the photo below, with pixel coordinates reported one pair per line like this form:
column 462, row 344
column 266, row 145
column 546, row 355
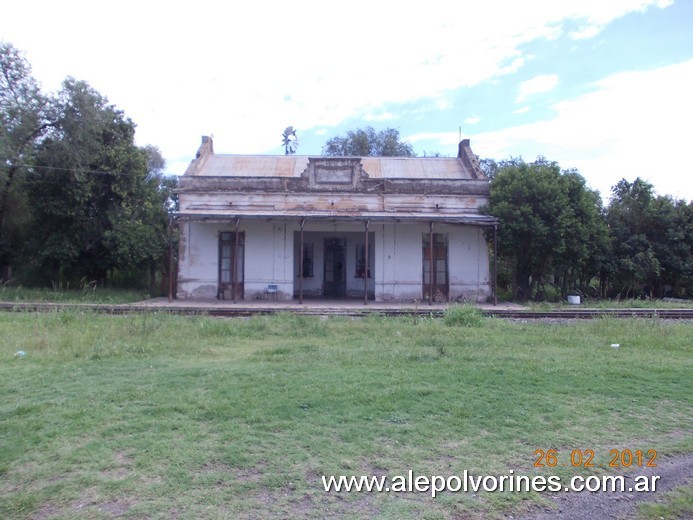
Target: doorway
column 335, row 268
column 227, row 284
column 439, row 272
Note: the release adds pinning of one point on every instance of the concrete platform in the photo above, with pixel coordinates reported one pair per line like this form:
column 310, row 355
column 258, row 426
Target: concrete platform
column 318, row 304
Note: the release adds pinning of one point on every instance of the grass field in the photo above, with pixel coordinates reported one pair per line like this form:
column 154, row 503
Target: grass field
column 86, row 295
column 591, row 303
column 158, row 416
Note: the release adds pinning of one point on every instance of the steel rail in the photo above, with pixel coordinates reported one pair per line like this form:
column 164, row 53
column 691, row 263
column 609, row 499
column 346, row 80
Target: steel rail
column 241, row 311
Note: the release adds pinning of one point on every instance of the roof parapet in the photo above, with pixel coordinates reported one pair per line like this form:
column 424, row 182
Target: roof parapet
column 204, row 152
column 468, row 158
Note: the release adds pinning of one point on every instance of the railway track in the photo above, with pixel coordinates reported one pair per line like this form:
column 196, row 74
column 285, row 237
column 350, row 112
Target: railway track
column 352, row 311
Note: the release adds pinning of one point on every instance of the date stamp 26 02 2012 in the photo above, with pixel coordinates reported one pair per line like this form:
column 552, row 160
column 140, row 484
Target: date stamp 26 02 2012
column 578, row 458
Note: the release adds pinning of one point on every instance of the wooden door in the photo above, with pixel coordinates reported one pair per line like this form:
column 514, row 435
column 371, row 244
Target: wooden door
column 227, row 284
column 440, row 267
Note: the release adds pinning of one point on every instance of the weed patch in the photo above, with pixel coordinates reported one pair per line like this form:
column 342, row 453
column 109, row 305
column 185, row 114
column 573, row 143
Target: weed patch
column 463, row 316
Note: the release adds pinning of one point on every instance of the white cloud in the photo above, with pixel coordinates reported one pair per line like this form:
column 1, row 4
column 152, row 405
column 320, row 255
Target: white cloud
column 443, row 104
column 442, row 138
column 586, row 32
column 521, row 110
column 246, row 70
column 537, row 85
column 380, row 117
column 633, row 124
column 594, row 15
column 472, row 120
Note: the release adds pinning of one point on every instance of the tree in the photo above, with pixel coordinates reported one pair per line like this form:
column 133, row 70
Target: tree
column 671, row 234
column 96, row 198
column 366, row 142
column 23, row 120
column 587, row 246
column 651, row 237
column 550, row 222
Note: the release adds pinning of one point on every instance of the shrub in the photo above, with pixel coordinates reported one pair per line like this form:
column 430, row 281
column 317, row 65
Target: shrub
column 463, row 316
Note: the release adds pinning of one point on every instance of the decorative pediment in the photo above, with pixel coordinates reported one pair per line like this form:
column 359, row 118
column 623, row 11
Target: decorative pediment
column 334, row 174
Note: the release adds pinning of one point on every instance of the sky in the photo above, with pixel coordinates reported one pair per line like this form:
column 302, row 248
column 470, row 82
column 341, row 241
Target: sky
column 603, row 86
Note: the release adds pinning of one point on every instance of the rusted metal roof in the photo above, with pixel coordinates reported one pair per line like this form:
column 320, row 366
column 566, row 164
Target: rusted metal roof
column 415, row 168
column 293, row 165
column 254, row 166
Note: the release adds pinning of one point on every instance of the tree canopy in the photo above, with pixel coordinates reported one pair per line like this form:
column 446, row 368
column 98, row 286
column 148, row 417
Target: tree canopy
column 652, row 241
column 550, row 224
column 93, row 204
column 557, row 236
column 23, row 120
column 364, row 142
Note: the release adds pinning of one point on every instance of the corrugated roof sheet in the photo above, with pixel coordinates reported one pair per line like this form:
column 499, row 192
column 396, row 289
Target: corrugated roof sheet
column 294, row 165
column 415, row 168
column 254, row 166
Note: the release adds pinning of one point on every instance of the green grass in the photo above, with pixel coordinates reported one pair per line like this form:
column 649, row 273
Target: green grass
column 676, row 504
column 589, row 303
column 161, row 416
column 86, row 295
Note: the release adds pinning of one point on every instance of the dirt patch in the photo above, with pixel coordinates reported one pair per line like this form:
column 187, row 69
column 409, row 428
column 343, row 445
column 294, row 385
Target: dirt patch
column 673, row 472
column 46, row 511
column 116, row 507
column 122, row 458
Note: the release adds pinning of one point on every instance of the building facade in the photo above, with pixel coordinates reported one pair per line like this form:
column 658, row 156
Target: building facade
column 294, row 227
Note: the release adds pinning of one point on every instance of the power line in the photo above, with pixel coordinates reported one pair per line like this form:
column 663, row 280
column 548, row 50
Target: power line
column 91, row 172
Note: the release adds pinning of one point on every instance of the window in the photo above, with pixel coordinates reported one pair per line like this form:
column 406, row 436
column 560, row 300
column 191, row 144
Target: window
column 361, row 260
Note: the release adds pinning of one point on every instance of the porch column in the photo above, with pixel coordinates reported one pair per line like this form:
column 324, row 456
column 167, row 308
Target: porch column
column 430, row 265
column 235, row 262
column 300, row 266
column 365, row 273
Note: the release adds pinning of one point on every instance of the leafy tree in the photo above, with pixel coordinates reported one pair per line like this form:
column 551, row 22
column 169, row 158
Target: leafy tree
column 23, row 120
column 671, row 231
column 490, row 167
column 587, row 246
column 366, row 142
column 98, row 207
column 633, row 263
column 651, row 237
column 550, row 222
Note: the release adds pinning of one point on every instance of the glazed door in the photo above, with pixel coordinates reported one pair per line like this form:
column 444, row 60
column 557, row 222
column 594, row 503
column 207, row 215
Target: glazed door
column 440, row 267
column 335, row 268
column 227, row 283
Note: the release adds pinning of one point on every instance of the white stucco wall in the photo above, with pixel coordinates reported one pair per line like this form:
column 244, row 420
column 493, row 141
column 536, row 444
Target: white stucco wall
column 268, row 259
column 468, row 263
column 198, row 270
column 271, row 257
column 399, row 256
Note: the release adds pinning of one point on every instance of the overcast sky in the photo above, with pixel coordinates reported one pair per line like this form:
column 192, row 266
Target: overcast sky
column 603, row 86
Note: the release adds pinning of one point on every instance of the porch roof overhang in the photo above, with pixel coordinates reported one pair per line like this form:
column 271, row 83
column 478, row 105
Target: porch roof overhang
column 471, row 219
